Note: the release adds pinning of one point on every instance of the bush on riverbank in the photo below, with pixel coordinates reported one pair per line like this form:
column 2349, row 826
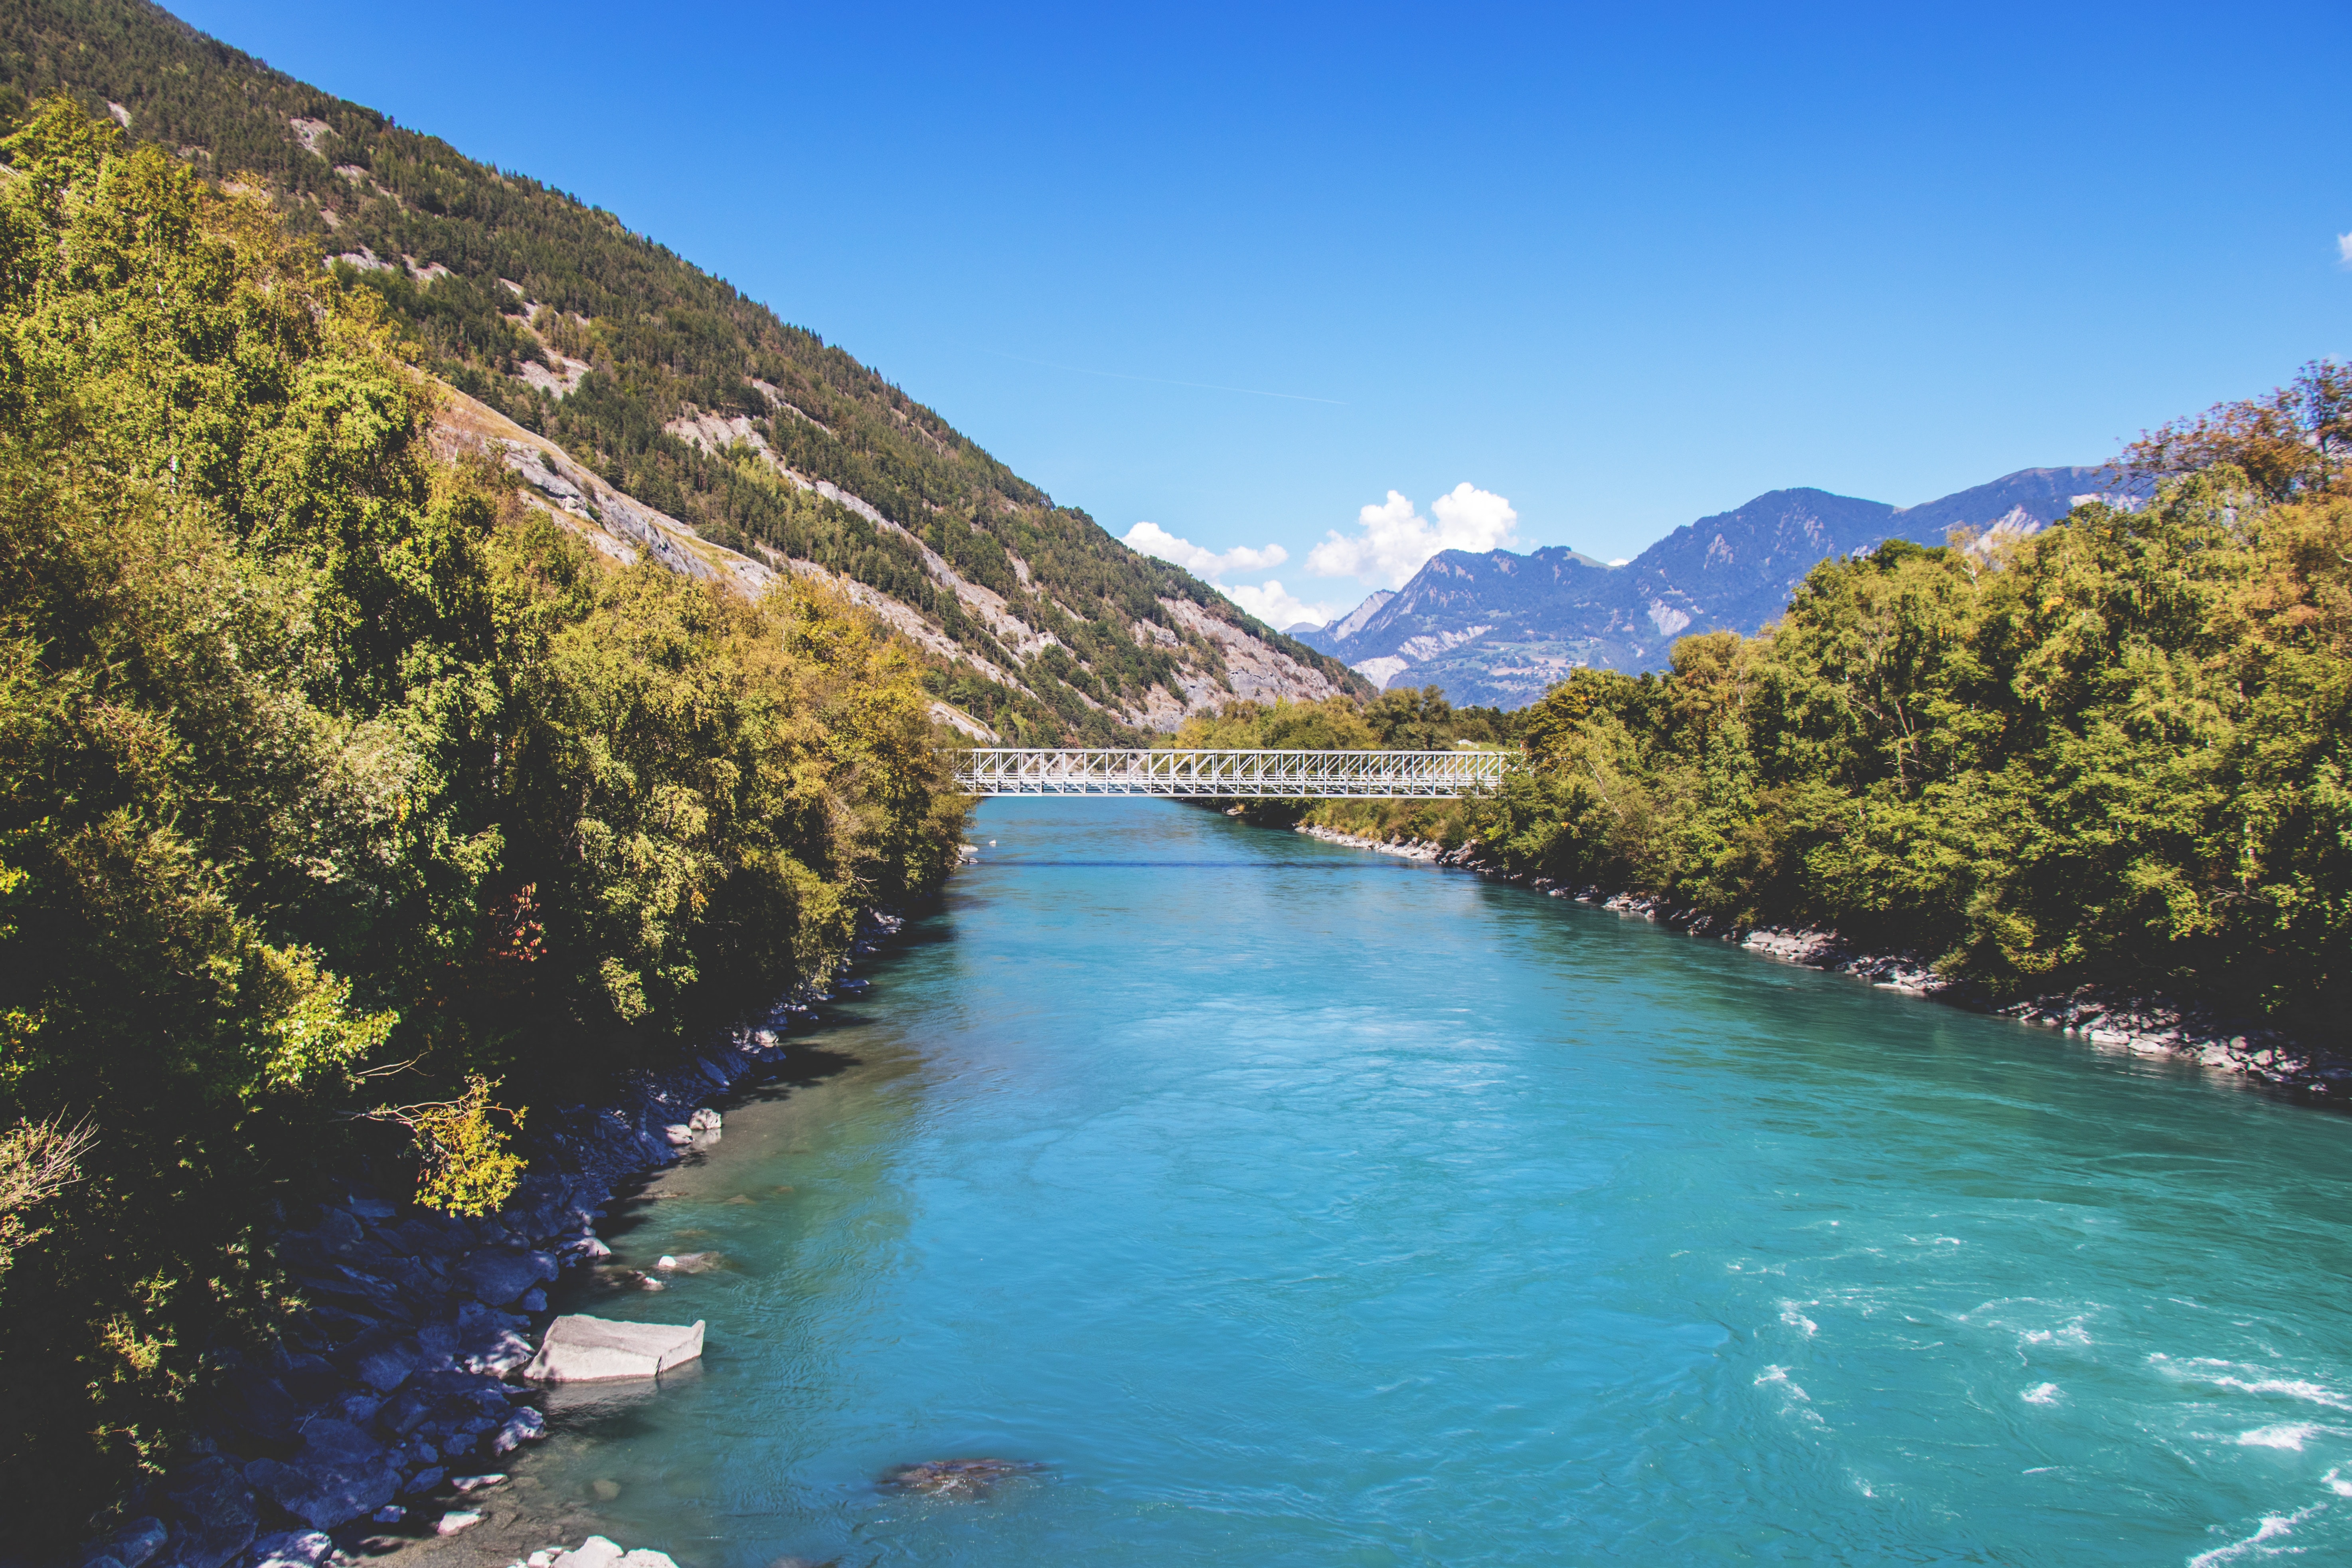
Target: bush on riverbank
column 319, row 760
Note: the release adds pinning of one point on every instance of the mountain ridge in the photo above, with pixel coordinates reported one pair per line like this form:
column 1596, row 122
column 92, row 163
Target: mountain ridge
column 1499, row 627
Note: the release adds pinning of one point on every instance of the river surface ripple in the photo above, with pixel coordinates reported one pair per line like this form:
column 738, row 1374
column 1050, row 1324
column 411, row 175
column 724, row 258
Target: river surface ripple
column 1292, row 1204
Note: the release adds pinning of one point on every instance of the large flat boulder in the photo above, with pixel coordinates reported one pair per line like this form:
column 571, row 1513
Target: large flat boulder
column 581, row 1349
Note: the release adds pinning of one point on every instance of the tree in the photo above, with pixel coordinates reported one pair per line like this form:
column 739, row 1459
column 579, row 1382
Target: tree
column 2288, row 443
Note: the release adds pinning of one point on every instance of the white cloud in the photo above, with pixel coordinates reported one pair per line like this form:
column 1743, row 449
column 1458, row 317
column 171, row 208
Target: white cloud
column 1277, row 606
column 1153, row 539
column 1396, row 539
column 2344, row 249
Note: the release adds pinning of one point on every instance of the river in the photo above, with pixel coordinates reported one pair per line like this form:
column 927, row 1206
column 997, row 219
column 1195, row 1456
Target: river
column 1291, row 1204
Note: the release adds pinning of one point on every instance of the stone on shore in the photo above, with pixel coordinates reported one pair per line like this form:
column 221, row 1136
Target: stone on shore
column 594, row 1552
column 218, row 1513
column 525, row 1425
column 598, row 1552
column 582, row 1349
column 293, row 1549
column 499, row 1274
column 340, row 1474
column 136, row 1542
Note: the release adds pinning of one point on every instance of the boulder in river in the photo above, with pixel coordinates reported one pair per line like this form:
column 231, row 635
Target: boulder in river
column 957, row 1477
column 582, row 1349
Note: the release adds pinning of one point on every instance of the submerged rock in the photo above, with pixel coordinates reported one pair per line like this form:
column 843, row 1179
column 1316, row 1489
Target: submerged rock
column 957, row 1477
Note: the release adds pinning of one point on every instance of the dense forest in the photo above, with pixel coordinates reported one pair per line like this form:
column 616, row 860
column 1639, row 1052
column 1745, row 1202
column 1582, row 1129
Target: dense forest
column 348, row 807
column 488, row 276
column 2115, row 750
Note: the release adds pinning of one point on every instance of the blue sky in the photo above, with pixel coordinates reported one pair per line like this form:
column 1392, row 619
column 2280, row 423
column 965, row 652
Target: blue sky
column 1245, row 273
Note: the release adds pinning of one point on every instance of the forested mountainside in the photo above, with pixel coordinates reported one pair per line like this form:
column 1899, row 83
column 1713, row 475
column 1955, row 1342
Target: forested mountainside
column 1502, row 628
column 708, row 417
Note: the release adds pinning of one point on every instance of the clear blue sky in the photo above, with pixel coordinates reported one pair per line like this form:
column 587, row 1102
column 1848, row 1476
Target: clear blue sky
column 1622, row 269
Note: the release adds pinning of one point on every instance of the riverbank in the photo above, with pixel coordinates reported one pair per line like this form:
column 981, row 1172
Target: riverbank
column 385, row 1408
column 2109, row 1018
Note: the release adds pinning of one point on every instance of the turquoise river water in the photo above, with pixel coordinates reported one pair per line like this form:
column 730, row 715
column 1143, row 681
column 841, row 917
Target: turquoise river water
column 1290, row 1204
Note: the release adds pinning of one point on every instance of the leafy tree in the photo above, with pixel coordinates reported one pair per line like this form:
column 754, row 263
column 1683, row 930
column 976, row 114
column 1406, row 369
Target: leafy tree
column 2287, row 443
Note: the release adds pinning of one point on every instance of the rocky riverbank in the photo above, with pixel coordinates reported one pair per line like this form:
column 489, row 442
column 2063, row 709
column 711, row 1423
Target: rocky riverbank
column 387, row 1403
column 2109, row 1018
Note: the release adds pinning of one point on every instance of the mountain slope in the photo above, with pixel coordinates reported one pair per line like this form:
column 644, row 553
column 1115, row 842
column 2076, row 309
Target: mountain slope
column 1501, row 628
column 668, row 389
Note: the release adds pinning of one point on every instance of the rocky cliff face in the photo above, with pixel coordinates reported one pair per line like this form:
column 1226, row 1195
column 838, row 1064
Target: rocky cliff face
column 1218, row 657
column 1502, row 628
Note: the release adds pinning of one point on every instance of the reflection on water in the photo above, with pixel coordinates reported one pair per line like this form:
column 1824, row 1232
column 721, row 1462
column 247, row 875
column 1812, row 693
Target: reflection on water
column 1294, row 1206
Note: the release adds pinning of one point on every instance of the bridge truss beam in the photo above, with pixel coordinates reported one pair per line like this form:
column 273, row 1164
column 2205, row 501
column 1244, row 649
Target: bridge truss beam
column 1226, row 774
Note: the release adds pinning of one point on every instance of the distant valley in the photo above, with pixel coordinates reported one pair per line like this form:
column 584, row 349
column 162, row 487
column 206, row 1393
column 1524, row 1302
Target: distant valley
column 1501, row 628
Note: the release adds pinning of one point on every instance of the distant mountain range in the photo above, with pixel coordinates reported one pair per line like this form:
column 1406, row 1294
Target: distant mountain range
column 1502, row 628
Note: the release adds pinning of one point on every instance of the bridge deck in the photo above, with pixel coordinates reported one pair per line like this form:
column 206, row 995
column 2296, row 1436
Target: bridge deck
column 1223, row 775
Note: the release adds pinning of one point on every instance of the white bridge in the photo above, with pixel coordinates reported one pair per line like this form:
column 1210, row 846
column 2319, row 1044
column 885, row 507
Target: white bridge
column 1221, row 774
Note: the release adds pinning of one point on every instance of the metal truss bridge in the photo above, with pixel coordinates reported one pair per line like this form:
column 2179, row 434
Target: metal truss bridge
column 1223, row 775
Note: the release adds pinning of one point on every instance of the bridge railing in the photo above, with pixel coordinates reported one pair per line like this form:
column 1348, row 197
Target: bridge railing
column 1223, row 775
